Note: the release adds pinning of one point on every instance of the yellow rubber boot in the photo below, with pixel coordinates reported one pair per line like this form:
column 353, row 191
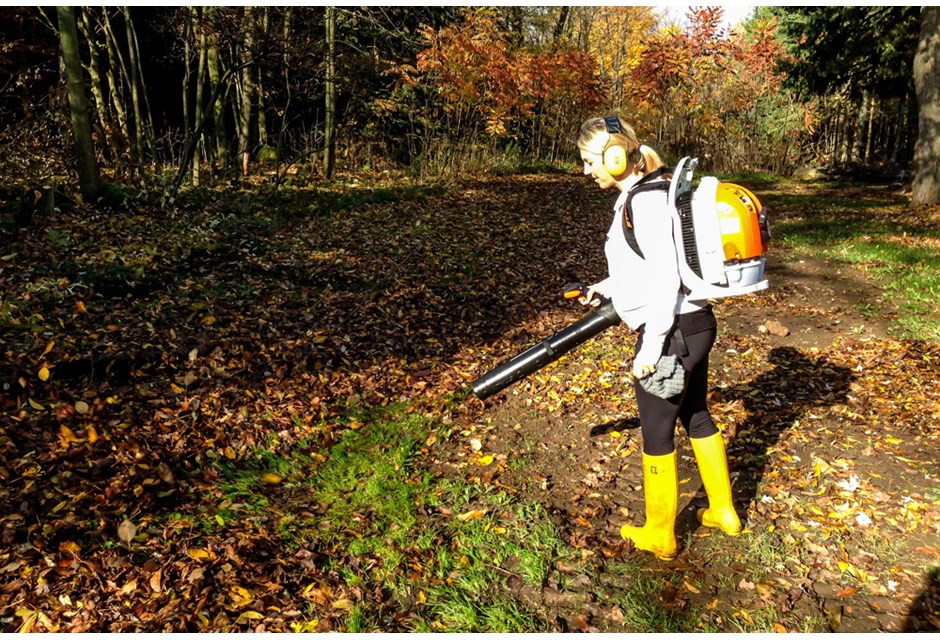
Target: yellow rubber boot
column 713, row 465
column 661, row 491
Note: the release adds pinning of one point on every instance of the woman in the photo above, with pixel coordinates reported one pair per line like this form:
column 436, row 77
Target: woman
column 645, row 289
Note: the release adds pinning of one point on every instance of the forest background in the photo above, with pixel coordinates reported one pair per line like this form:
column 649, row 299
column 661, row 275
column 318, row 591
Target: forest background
column 251, row 257
column 194, row 96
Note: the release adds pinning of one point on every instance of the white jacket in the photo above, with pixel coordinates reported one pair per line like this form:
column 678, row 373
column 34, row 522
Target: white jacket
column 645, row 290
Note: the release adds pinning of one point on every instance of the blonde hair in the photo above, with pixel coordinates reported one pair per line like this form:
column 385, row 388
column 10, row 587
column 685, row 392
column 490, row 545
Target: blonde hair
column 643, row 158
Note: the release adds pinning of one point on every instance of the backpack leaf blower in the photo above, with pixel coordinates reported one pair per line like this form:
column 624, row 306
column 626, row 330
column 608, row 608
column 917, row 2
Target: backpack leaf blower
column 549, row 349
column 720, row 231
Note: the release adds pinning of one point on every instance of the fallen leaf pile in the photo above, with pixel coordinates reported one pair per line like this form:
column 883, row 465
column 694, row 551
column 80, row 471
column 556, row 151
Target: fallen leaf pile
column 143, row 351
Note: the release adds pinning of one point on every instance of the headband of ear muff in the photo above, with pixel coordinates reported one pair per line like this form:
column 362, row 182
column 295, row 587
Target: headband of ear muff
column 615, row 155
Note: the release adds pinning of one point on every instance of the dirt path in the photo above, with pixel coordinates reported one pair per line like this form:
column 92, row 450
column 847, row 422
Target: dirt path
column 832, row 446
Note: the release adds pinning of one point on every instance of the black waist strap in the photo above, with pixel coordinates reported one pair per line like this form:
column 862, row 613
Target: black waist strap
column 698, row 321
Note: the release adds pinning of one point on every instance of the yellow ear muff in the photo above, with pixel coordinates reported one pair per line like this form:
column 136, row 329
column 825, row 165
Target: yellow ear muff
column 615, row 160
column 615, row 156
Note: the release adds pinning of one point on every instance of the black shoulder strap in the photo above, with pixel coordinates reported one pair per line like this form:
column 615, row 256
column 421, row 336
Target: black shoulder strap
column 645, row 184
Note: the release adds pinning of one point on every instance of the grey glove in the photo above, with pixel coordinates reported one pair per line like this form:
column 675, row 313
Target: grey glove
column 669, row 379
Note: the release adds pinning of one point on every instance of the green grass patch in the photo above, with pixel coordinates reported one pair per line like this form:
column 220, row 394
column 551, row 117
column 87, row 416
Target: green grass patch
column 755, row 181
column 640, row 600
column 453, row 554
column 879, row 237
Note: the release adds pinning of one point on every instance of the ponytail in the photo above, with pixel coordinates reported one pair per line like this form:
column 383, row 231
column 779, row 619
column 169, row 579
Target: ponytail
column 648, row 160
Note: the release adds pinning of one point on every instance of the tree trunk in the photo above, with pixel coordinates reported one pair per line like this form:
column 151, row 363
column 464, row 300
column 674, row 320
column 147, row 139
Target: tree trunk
column 329, row 127
column 279, row 153
column 870, row 135
column 836, row 133
column 94, row 75
column 247, row 95
column 898, row 132
column 200, row 108
column 561, row 26
column 133, row 80
column 187, row 76
column 926, row 188
column 215, row 73
column 114, row 64
column 845, row 149
column 116, row 60
column 78, row 104
column 134, row 47
column 858, row 145
column 259, row 89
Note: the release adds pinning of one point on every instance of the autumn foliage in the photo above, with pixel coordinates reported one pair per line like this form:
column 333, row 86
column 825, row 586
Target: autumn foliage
column 704, row 91
column 698, row 90
column 484, row 83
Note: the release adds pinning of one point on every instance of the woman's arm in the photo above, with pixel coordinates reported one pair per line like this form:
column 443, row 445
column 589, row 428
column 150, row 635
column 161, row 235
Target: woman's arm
column 654, row 233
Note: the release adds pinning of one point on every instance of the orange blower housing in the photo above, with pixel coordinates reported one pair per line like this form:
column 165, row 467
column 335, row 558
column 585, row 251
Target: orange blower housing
column 722, row 233
column 738, row 211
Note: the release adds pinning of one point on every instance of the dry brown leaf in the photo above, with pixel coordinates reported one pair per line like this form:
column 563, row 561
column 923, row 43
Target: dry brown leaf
column 127, row 530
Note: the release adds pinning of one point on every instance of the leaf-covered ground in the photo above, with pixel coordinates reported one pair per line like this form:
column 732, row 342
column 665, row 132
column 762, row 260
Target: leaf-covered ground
column 158, row 362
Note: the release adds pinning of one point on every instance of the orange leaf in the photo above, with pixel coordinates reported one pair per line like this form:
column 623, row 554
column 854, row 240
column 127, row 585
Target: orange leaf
column 472, row 515
column 68, row 435
column 198, row 554
column 155, row 580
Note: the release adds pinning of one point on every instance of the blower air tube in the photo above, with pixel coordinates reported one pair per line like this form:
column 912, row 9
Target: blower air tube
column 546, row 351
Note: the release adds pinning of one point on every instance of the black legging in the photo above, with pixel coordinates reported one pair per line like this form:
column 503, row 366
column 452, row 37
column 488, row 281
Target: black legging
column 658, row 416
